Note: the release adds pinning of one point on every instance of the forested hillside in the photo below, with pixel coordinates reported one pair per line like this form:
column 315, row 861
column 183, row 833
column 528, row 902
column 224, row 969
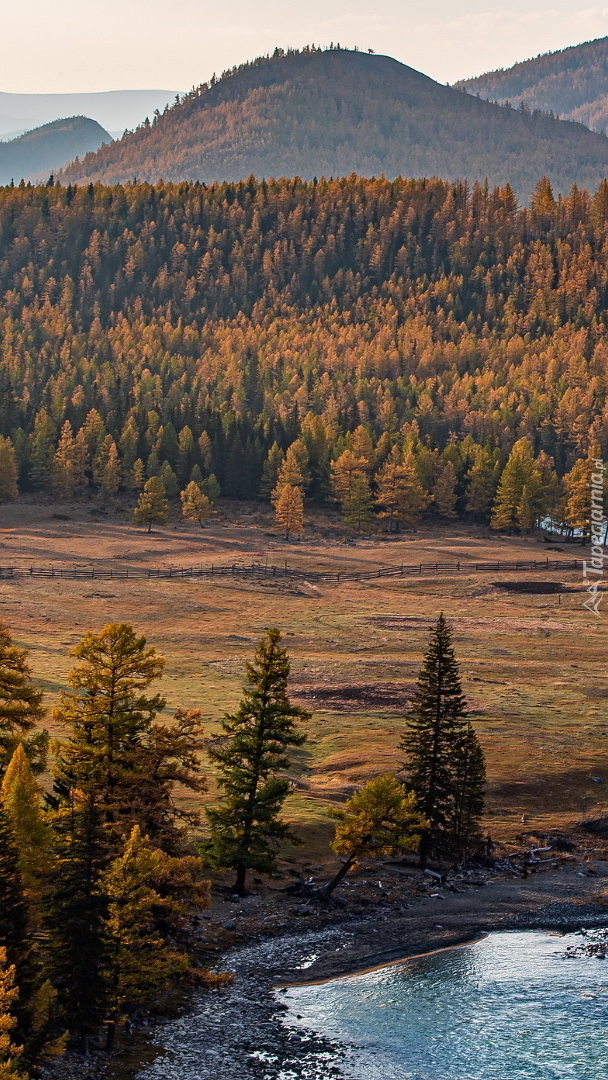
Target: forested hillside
column 572, row 83
column 192, row 328
column 47, row 148
column 333, row 112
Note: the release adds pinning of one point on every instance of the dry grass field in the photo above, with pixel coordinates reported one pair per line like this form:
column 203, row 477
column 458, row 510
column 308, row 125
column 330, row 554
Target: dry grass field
column 535, row 667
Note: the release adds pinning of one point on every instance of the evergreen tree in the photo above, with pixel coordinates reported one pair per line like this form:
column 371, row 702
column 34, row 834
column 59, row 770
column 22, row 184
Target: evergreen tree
column 246, row 827
column 152, row 507
column 270, row 472
column 43, row 449
column 8, row 471
column 432, row 741
column 288, row 503
column 480, row 485
column 379, row 820
column 169, row 480
column 357, row 508
column 195, row 505
column 75, row 909
column 470, row 771
column 211, row 489
column 108, row 716
column 20, row 706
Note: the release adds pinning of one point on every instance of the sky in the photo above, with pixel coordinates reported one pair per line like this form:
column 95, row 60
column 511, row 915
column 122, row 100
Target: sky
column 85, row 45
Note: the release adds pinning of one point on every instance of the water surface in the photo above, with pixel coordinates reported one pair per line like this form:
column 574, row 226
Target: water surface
column 510, row 1007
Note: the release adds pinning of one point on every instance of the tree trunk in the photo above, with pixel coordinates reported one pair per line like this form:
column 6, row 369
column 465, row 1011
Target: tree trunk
column 149, row 526
column 328, row 889
column 110, row 1036
column 239, row 885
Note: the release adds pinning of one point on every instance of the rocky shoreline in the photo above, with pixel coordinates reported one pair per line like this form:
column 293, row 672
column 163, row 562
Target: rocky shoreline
column 241, row 1031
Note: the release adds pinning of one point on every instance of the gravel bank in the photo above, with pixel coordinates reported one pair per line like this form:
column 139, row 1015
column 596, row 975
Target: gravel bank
column 240, row 1032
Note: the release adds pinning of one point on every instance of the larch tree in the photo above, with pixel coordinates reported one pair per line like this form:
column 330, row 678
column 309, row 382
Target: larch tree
column 444, row 492
column 246, row 827
column 344, row 470
column 20, row 706
column 380, row 820
column 433, row 741
column 21, row 798
column 64, row 475
column 519, row 472
column 195, row 506
column 577, row 484
column 152, row 506
column 10, row 1053
column 288, row 504
column 400, row 496
column 137, row 962
column 109, row 472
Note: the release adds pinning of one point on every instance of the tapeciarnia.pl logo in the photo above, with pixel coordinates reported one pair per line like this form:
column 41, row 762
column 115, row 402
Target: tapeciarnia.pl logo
column 595, row 566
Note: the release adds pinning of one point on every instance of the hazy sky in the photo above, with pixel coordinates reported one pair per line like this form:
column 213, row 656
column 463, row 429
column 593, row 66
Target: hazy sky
column 79, row 45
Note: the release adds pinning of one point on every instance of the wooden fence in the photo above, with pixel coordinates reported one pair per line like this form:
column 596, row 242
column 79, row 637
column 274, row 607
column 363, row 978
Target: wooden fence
column 94, row 573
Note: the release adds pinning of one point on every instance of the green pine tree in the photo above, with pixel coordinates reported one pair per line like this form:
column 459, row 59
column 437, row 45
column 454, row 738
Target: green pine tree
column 246, row 827
column 470, row 772
column 432, row 741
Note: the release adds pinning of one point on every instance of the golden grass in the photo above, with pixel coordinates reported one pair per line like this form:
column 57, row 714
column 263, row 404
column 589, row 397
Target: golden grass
column 534, row 666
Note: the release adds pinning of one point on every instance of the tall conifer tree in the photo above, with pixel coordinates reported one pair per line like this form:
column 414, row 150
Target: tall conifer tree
column 246, row 827
column 433, row 743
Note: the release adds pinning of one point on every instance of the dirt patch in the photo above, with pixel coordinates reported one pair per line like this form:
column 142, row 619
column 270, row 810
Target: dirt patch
column 355, row 697
column 498, row 624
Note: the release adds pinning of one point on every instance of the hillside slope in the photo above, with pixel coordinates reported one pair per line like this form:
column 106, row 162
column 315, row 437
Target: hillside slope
column 46, row 148
column 334, row 112
column 115, row 110
column 572, row 83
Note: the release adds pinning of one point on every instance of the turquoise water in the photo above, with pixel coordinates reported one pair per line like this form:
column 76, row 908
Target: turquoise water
column 510, row 1007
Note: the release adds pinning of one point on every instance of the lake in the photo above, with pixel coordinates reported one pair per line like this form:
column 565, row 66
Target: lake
column 509, row 1007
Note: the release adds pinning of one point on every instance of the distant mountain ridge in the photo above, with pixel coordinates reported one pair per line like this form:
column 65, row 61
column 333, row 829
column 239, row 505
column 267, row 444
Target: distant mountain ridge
column 335, row 112
column 46, row 149
column 115, row 110
column 573, row 83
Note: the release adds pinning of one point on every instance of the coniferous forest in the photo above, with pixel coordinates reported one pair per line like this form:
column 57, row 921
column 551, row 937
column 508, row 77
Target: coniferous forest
column 387, row 346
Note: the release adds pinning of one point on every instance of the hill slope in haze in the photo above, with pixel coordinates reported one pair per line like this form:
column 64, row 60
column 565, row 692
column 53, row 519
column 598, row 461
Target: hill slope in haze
column 47, row 148
column 573, row 83
column 115, row 110
column 334, row 112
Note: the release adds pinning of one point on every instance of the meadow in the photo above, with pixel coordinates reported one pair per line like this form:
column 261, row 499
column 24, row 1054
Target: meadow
column 534, row 665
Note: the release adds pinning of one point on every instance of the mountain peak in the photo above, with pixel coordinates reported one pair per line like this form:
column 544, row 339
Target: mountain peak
column 330, row 112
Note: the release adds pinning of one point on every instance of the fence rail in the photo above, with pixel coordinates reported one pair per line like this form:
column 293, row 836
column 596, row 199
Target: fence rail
column 94, row 573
